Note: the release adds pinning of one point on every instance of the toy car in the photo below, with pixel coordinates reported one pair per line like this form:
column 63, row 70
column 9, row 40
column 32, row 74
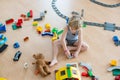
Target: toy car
column 17, row 56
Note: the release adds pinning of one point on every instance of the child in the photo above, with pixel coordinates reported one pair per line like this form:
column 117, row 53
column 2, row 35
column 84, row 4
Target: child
column 71, row 39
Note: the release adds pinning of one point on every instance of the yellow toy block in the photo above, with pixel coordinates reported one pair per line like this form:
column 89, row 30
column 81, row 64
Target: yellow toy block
column 39, row 29
column 54, row 37
column 113, row 63
column 3, row 79
column 47, row 26
column 35, row 23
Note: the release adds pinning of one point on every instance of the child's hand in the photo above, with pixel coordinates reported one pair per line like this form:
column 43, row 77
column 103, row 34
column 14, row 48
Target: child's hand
column 75, row 54
column 67, row 53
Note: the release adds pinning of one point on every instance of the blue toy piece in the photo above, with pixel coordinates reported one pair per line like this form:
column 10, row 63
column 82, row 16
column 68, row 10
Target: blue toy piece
column 16, row 45
column 3, row 39
column 116, row 40
column 17, row 56
column 109, row 26
column 2, row 28
column 47, row 33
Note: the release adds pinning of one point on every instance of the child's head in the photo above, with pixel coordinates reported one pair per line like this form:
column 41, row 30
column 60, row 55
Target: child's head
column 74, row 22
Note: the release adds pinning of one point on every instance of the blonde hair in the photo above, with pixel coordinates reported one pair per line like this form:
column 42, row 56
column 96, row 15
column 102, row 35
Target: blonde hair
column 74, row 22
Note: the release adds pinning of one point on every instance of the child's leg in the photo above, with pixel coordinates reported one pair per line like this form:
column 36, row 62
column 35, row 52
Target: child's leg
column 84, row 47
column 55, row 44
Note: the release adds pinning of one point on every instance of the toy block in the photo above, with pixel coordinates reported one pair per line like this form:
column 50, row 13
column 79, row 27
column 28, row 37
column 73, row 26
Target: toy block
column 31, row 13
column 23, row 15
column 48, row 30
column 20, row 21
column 35, row 23
column 14, row 27
column 3, row 47
column 47, row 33
column 9, row 21
column 39, row 29
column 26, row 38
column 54, row 37
column 17, row 56
column 55, row 30
column 2, row 28
column 47, row 26
column 38, row 19
column 113, row 63
column 115, row 38
column 3, row 79
column 16, row 45
column 18, row 25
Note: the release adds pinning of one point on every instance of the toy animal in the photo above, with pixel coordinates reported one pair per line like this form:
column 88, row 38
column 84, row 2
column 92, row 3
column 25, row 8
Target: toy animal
column 41, row 64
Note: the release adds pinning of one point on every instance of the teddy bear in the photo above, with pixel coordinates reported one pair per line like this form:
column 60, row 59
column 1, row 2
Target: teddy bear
column 41, row 64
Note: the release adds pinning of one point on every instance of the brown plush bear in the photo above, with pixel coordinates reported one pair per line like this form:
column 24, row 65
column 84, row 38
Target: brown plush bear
column 41, row 64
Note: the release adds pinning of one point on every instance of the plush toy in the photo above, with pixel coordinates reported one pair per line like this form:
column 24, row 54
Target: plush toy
column 41, row 64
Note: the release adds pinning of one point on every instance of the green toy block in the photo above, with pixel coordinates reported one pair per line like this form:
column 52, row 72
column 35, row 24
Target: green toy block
column 90, row 73
column 60, row 32
column 84, row 25
column 28, row 14
column 116, row 72
column 14, row 27
column 55, row 30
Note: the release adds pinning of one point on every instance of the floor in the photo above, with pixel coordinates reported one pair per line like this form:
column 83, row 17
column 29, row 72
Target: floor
column 102, row 49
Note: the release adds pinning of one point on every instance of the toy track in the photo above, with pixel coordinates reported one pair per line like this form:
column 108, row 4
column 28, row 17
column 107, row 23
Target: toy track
column 105, row 5
column 111, row 28
column 57, row 11
column 100, row 25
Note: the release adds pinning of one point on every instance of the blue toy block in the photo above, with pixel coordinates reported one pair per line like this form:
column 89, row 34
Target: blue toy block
column 109, row 26
column 115, row 39
column 17, row 56
column 2, row 29
column 47, row 33
column 16, row 45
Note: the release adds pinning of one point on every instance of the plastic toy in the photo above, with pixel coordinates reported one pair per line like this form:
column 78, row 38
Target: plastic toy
column 117, row 77
column 30, row 14
column 113, row 68
column 47, row 33
column 89, row 70
column 68, row 73
column 105, row 5
column 9, row 21
column 42, row 15
column 3, row 40
column 39, row 29
column 35, row 23
column 113, row 63
column 108, row 26
column 2, row 28
column 116, row 40
column 26, row 38
column 47, row 26
column 3, row 79
column 17, row 56
column 16, row 45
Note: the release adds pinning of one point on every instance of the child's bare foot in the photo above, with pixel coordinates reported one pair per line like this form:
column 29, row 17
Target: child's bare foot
column 54, row 61
column 75, row 55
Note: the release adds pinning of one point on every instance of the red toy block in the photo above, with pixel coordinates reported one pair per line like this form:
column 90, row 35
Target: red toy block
column 23, row 15
column 20, row 21
column 18, row 25
column 9, row 21
column 31, row 13
column 85, row 74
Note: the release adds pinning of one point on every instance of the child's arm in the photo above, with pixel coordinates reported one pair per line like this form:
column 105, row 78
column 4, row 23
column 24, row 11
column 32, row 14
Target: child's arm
column 63, row 37
column 63, row 41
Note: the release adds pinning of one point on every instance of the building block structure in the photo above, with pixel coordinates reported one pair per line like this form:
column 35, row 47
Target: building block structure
column 68, row 73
